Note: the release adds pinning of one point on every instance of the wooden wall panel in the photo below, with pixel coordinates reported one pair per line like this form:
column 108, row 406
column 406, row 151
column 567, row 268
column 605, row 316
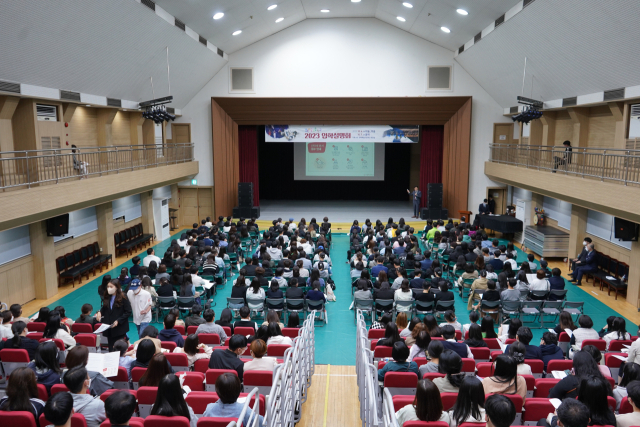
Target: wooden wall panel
column 564, row 130
column 83, row 128
column 120, row 224
column 602, row 128
column 455, row 170
column 70, row 245
column 121, row 129
column 226, row 171
column 16, row 281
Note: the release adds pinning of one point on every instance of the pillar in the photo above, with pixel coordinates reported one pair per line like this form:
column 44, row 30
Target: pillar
column 548, row 121
column 146, row 203
column 580, row 119
column 105, row 119
column 620, row 115
column 578, row 230
column 104, row 214
column 45, row 276
column 633, row 290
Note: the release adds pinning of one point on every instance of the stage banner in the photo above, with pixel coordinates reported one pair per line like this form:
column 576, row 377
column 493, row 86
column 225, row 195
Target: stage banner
column 342, row 133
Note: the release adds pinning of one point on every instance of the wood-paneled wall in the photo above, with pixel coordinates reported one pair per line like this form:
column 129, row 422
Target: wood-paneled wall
column 455, row 168
column 121, row 129
column 226, row 171
column 83, row 128
column 608, row 248
column 70, row 245
column 16, row 281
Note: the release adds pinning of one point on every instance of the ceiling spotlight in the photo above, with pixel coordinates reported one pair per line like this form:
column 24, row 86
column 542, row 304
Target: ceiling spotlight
column 355, row 1
column 406, row 4
column 218, row 15
column 279, row 20
column 462, row 12
column 324, row 10
column 235, row 33
column 445, row 29
column 273, row 6
column 400, row 18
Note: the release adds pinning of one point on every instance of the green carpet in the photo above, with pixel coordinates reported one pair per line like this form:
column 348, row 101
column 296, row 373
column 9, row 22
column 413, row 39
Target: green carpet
column 335, row 342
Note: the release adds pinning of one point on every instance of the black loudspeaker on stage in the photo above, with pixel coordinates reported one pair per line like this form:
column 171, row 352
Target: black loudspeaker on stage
column 434, row 209
column 245, row 208
column 434, row 213
column 251, row 212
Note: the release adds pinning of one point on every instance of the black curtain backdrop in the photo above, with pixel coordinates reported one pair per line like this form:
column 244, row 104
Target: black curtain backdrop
column 276, row 176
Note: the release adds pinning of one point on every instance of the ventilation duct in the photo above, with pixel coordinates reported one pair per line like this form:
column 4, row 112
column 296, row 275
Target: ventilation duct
column 513, row 110
column 180, row 24
column 478, row 37
column 499, row 21
column 570, row 102
column 69, row 96
column 220, row 52
column 9, row 87
column 150, row 4
column 202, row 40
column 610, row 95
column 439, row 78
column 112, row 102
column 241, row 80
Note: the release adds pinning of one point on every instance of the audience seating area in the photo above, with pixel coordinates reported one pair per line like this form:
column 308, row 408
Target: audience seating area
column 80, row 263
column 131, row 238
column 610, row 267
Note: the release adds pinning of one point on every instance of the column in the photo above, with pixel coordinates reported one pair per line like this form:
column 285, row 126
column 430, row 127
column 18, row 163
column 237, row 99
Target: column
column 578, row 230
column 45, row 276
column 146, row 203
column 104, row 214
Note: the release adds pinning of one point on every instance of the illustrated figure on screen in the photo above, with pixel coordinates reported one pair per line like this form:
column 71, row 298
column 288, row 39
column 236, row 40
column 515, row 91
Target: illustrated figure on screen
column 416, row 196
column 319, row 163
column 290, row 135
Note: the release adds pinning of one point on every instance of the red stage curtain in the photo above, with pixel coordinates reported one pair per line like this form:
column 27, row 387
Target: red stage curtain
column 430, row 158
column 248, row 157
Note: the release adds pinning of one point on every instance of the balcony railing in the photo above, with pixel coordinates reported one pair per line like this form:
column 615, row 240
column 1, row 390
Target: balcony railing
column 24, row 169
column 604, row 164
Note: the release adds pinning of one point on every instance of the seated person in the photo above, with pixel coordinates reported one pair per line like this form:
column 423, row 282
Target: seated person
column 426, row 406
column 170, row 401
column 316, row 294
column 260, row 362
column 120, row 407
column 399, row 354
column 86, row 316
column 22, row 394
column 451, row 319
column 384, row 292
column 510, row 294
column 469, row 406
column 210, row 327
column 169, row 333
column 475, row 337
column 525, row 336
column 45, row 365
column 228, row 388
column 434, row 352
column 59, row 409
column 363, row 291
column 194, row 350
column 450, row 343
column 517, row 351
column 549, row 348
column 79, row 356
column 126, row 361
column 491, row 294
column 501, row 412
column 444, row 295
column 245, row 319
column 77, row 381
column 229, row 358
column 451, row 365
column 275, row 335
column 633, row 396
column 194, row 319
column 505, row 379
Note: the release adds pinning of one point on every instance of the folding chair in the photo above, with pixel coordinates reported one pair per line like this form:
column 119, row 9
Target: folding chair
column 423, row 307
column 550, row 308
column 531, row 308
column 136, row 374
column 574, row 308
column 381, row 306
column 404, row 307
column 277, row 350
column 443, row 306
column 613, row 363
column 365, row 305
column 540, row 295
column 543, row 385
column 263, row 380
column 535, row 409
column 537, row 367
column 401, row 382
column 448, row 400
column 195, row 380
column 381, row 352
column 78, row 328
column 508, row 309
column 617, row 345
column 318, row 306
column 89, row 340
column 165, row 304
column 558, row 365
column 121, row 380
column 558, row 294
column 237, row 301
column 491, row 308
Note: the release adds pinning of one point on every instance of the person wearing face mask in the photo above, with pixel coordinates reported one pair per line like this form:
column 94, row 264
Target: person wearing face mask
column 590, row 265
column 92, row 408
column 140, row 305
column 115, row 311
column 579, row 261
column 484, row 208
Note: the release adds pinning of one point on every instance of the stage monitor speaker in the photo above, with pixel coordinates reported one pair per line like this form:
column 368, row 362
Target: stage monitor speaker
column 245, row 201
column 626, row 231
column 58, row 226
column 246, row 212
column 434, row 213
column 434, row 196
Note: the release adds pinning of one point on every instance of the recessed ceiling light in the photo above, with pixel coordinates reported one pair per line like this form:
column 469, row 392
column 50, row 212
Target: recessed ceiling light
column 88, row 105
column 279, row 20
column 445, row 29
column 218, row 15
column 400, row 18
column 462, row 12
column 355, row 1
column 406, row 4
column 235, row 33
column 273, row 6
column 324, row 10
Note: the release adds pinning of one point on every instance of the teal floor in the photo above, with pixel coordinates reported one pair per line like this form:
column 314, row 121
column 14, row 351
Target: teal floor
column 335, row 342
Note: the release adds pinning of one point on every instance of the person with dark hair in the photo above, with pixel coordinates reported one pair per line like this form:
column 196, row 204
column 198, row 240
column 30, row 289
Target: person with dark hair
column 16, row 312
column 556, row 282
column 593, row 392
column 55, row 329
column 445, row 294
column 584, row 332
column 245, row 319
column 210, row 327
column 43, row 315
column 77, row 381
column 145, row 351
column 475, row 337
column 451, row 319
column 517, row 351
column 228, row 388
column 469, row 406
column 45, row 365
column 487, row 327
column 597, row 356
column 85, row 316
column 170, row 401
column 169, row 333
column 382, row 323
column 525, row 336
column 420, row 342
column 230, row 358
column 120, row 407
column 275, row 335
column 584, row 366
column 549, row 348
column 59, row 409
column 426, row 406
column 391, row 335
column 505, row 379
column 510, row 330
column 5, row 326
column 617, row 331
column 630, row 372
column 126, row 361
column 450, row 343
column 431, row 324
column 633, row 397
column 115, row 311
column 22, row 393
column 79, row 356
column 20, row 340
column 158, row 368
column 473, row 319
column 434, row 351
column 399, row 354
column 500, row 411
column 571, row 413
column 451, row 365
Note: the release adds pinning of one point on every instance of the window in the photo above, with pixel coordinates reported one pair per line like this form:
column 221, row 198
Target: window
column 128, row 207
column 558, row 210
column 80, row 222
column 601, row 225
column 14, row 243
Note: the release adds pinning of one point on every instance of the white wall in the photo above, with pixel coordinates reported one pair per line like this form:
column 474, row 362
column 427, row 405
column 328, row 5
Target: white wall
column 346, row 57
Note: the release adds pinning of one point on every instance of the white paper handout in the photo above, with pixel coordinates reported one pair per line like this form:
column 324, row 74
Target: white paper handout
column 552, row 331
column 555, row 402
column 617, row 356
column 102, row 328
column 531, row 278
column 569, row 332
column 104, row 363
column 208, row 284
column 558, row 374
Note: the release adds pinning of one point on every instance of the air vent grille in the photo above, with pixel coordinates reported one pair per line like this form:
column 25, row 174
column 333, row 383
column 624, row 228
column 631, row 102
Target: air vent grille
column 202, row 40
column 499, row 21
column 47, row 112
column 527, row 3
column 220, row 52
column 150, row 4
column 179, row 24
column 69, row 96
column 460, row 49
column 171, row 110
column 478, row 37
column 513, row 110
column 570, row 102
column 610, row 95
column 9, row 87
column 439, row 78
column 112, row 102
column 635, row 110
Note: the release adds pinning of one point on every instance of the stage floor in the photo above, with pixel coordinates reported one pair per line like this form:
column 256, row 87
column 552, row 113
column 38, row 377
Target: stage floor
column 341, row 213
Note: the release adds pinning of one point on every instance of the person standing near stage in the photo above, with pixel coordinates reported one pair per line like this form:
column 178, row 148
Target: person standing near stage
column 416, row 196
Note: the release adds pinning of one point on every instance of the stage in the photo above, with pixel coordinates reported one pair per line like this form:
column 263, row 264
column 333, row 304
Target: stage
column 341, row 213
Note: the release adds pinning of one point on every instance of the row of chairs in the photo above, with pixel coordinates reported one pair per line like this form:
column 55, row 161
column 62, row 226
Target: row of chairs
column 131, row 238
column 81, row 262
column 284, row 306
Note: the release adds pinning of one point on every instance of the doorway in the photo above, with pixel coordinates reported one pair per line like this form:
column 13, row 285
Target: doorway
column 196, row 203
column 180, row 133
column 499, row 195
column 503, row 133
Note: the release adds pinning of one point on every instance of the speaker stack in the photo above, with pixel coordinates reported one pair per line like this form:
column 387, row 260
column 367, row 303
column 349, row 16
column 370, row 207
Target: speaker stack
column 245, row 208
column 434, row 209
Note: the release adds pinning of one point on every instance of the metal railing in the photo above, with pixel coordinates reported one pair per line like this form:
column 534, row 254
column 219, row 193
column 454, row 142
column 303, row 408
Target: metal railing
column 605, row 164
column 38, row 167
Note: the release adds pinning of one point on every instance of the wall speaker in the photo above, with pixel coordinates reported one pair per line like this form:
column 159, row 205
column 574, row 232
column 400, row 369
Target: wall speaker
column 58, row 226
column 626, row 231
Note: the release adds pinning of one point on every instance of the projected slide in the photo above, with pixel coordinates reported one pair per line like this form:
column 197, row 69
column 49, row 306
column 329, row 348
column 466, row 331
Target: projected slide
column 333, row 159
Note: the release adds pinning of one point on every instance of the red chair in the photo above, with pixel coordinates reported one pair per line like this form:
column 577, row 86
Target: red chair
column 146, row 399
column 36, row 326
column 198, row 401
column 432, row 376
column 89, row 340
column 474, row 425
column 17, row 419
column 244, row 330
column 613, row 363
column 468, row 366
column 458, row 335
column 485, row 369
column 227, row 330
column 564, row 342
column 448, row 400
column 194, row 380
column 109, row 392
column 159, row 421
column 13, row 359
column 77, row 420
column 293, row 332
column 492, row 343
column 372, row 344
column 59, row 388
column 192, row 330
column 169, row 345
column 42, row 393
column 531, row 384
column 382, row 352
column 201, row 365
column 82, row 328
column 136, row 374
column 375, row 334
column 625, row 406
column 599, row 344
column 180, row 329
column 559, row 365
column 133, row 422
column 616, row 345
column 179, row 361
column 611, row 381
column 401, row 382
column 35, row 335
column 121, row 381
column 543, row 385
column 510, row 341
column 420, row 361
column 213, row 374
column 211, row 340
column 277, row 350
column 537, row 367
column 261, row 379
column 536, row 409
column 481, row 354
column 215, row 422
column 425, row 424
column 400, row 401
column 612, row 402
column 59, row 342
column 495, row 354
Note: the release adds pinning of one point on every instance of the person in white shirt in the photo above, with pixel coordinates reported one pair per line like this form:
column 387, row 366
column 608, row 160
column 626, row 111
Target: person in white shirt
column 255, row 295
column 192, row 349
column 151, row 256
column 55, row 329
column 321, row 257
column 208, row 224
column 140, row 305
column 618, row 331
column 275, row 335
column 510, row 260
column 428, row 405
column 5, row 325
column 259, row 362
column 292, row 225
column 540, row 283
column 404, row 293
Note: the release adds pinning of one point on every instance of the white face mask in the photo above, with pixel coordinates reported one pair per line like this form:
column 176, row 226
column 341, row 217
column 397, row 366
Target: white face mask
column 584, row 243
column 111, row 290
column 89, row 385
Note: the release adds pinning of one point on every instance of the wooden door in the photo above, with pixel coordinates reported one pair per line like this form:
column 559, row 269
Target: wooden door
column 503, row 133
column 499, row 195
column 205, row 203
column 180, row 133
column 189, row 206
